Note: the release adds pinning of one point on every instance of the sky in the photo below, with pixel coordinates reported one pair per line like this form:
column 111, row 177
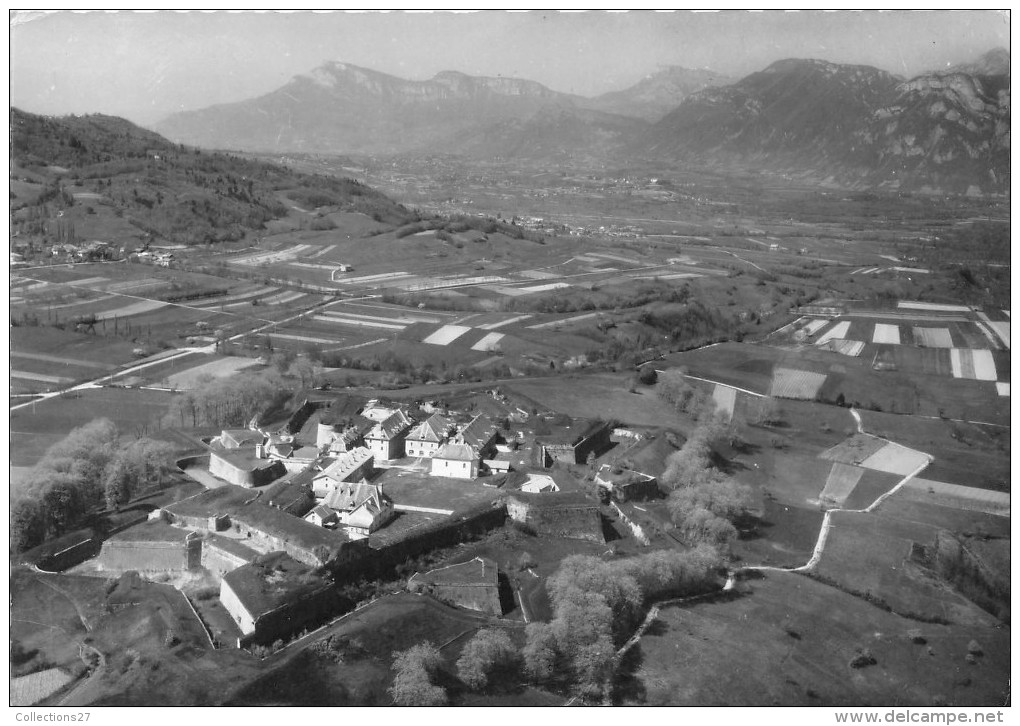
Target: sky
column 146, row 65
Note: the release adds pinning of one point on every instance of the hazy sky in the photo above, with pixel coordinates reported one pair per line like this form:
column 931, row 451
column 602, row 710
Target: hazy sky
column 145, row 65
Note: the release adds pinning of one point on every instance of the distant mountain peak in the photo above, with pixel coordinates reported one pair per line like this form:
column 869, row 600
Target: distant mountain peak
column 993, row 63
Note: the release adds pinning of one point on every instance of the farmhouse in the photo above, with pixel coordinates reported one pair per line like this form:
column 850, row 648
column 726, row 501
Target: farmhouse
column 473, row 585
column 386, row 439
column 361, row 508
column 427, row 437
column 275, row 596
column 456, row 460
column 557, row 514
column 575, row 443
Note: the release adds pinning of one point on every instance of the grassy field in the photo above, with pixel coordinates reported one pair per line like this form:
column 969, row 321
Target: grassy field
column 787, row 640
column 34, row 428
column 605, row 396
column 868, row 555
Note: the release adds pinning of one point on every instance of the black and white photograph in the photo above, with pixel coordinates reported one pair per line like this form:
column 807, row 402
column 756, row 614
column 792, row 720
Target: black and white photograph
column 499, row 359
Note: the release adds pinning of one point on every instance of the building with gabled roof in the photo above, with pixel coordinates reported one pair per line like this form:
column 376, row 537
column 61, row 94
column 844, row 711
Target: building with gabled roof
column 322, row 516
column 238, row 438
column 386, row 439
column 456, row 460
column 352, row 466
column 480, row 434
column 427, row 437
column 371, row 514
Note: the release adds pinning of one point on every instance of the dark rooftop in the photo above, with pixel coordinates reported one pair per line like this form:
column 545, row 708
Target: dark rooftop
column 550, row 500
column 221, row 500
column 231, row 546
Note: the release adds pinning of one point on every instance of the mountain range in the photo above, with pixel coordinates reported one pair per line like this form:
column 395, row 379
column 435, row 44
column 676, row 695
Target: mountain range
column 945, row 130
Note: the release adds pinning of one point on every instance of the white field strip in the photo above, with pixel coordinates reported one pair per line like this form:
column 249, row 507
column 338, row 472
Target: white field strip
column 1001, row 328
column 358, row 345
column 895, row 459
column 441, row 283
column 487, row 343
column 974, row 364
column 913, row 305
column 616, row 258
column 510, row 291
column 138, row 308
column 446, row 335
column 406, row 319
column 933, row 338
column 960, row 497
column 371, row 279
column 838, row 331
column 313, row 265
column 1002, row 388
column 841, row 482
column 984, row 365
column 58, row 359
column 223, row 368
column 547, row 287
column 323, row 252
column 673, row 276
column 337, row 320
column 40, row 377
column 283, row 298
column 500, row 324
column 588, row 259
column 306, row 339
column 911, row 270
column 33, row 688
column 267, row 257
column 565, row 321
column 890, row 258
column 725, row 399
column 539, row 274
column 886, row 334
column 814, row 326
column 987, row 332
column 852, row 348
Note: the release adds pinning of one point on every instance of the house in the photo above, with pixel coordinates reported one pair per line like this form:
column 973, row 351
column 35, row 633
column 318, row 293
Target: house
column 456, row 460
column 353, row 466
column 275, row 596
column 480, row 434
column 386, row 439
column 372, row 513
column 322, row 516
column 473, row 585
column 427, row 437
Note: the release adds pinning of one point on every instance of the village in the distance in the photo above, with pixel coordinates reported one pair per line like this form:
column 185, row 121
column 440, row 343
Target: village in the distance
column 523, row 399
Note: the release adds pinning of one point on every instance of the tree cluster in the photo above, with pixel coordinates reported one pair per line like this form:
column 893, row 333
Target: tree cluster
column 224, row 402
column 596, row 605
column 80, row 473
column 703, row 503
column 416, row 669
